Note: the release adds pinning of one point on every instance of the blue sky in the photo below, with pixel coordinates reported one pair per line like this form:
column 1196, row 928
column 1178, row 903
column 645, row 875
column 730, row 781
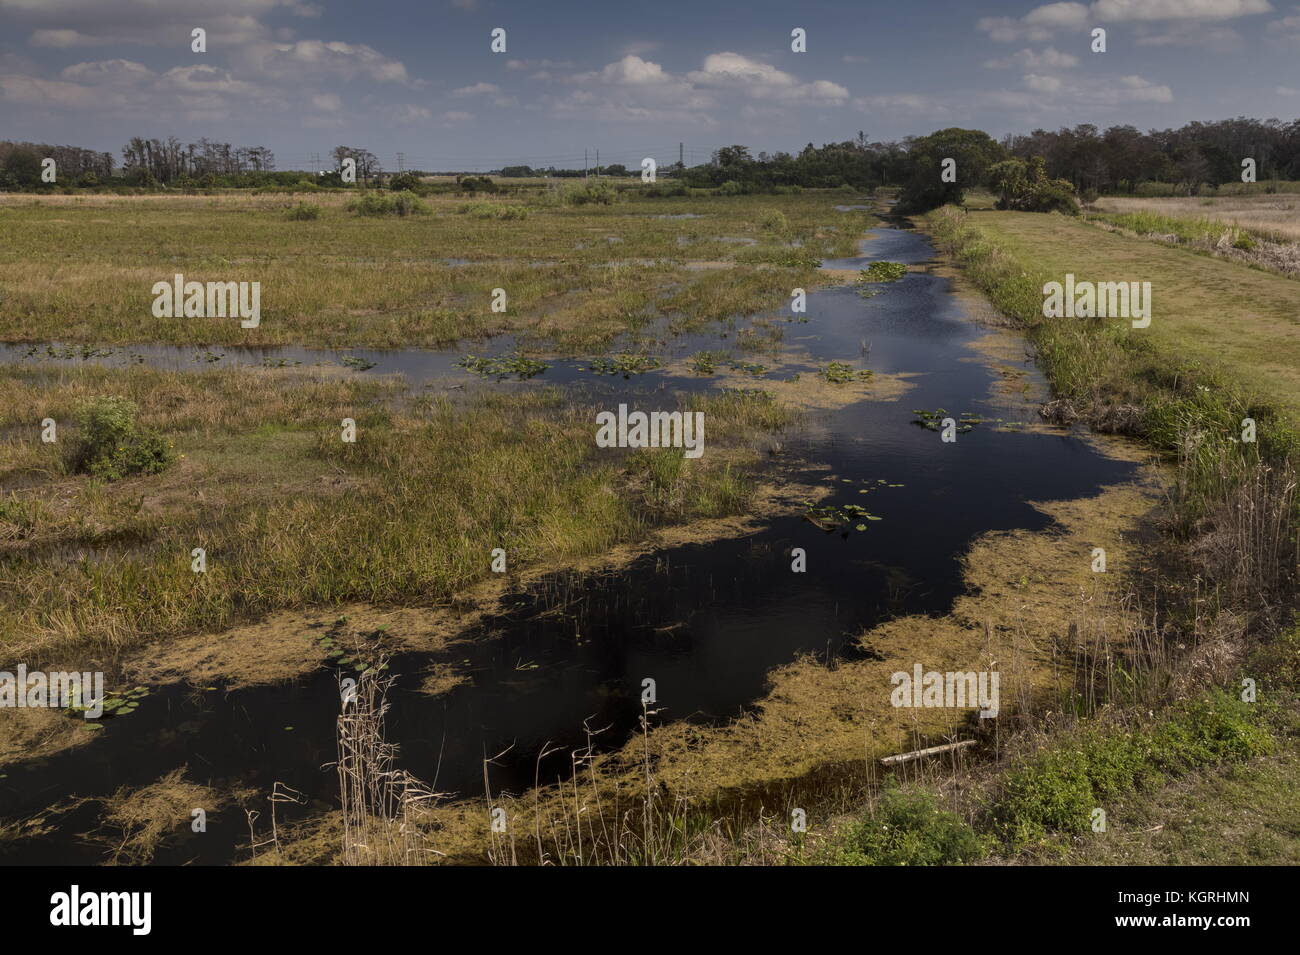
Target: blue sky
column 630, row 79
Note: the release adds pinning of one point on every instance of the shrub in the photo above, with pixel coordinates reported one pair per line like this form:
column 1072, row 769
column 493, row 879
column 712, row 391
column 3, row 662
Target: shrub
column 907, row 828
column 388, row 204
column 731, row 188
column 302, row 212
column 493, row 210
column 111, row 445
column 1058, row 787
column 598, row 191
column 405, row 182
column 773, row 220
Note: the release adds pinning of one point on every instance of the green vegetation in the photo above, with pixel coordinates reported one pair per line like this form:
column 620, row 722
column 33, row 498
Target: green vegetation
column 408, row 513
column 1057, row 788
column 841, row 373
column 883, row 272
column 578, row 277
column 303, row 212
column 1191, row 231
column 907, row 827
column 503, row 366
column 111, row 444
column 1026, row 186
column 388, row 204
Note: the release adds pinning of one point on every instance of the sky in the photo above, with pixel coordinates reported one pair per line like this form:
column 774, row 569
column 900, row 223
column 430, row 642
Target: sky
column 630, row 79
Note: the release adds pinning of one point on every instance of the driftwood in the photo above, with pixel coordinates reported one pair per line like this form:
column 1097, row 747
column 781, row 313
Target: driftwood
column 929, row 751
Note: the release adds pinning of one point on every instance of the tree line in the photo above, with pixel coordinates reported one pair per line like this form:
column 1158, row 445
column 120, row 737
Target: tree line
column 1082, row 159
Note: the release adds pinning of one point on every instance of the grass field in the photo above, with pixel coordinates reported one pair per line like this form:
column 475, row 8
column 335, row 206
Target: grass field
column 1217, row 313
column 81, row 268
column 1276, row 216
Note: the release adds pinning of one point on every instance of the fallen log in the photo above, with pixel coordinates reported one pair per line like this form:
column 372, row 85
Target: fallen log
column 928, row 751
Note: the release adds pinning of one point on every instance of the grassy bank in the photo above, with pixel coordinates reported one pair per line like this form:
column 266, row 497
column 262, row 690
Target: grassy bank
column 1231, row 530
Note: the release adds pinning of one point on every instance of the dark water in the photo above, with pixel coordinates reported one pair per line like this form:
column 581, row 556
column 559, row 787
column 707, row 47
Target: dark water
column 706, row 622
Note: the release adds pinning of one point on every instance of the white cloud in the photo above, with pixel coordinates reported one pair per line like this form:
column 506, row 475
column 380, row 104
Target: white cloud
column 322, row 58
column 327, row 102
column 763, row 81
column 407, row 114
column 109, row 73
column 478, row 89
column 1040, row 23
column 1050, row 58
column 1042, row 84
column 1122, row 11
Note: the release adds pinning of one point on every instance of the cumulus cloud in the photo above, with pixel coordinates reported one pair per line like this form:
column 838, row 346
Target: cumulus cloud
column 1050, row 58
column 1040, row 23
column 317, row 58
column 477, row 89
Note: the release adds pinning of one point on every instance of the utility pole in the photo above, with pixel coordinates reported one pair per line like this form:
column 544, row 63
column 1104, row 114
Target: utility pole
column 681, row 158
column 584, row 162
column 315, row 164
column 401, row 162
column 597, row 163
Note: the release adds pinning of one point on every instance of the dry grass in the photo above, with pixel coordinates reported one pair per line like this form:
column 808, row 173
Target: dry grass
column 1276, row 217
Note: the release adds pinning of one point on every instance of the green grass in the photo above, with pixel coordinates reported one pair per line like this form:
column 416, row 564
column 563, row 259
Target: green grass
column 907, row 827
column 1186, row 229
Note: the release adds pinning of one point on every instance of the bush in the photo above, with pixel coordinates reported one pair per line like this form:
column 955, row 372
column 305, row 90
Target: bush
column 907, row 828
column 303, row 211
column 405, row 182
column 598, row 191
column 493, row 210
column 388, row 204
column 731, row 188
column 1058, row 787
column 773, row 220
column 111, row 445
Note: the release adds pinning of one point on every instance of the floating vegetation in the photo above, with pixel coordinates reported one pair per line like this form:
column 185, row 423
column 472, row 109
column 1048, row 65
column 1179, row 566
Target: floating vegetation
column 841, row 372
column 933, row 420
column 503, row 366
column 749, row 368
column 624, row 364
column 883, row 272
column 877, row 273
column 832, row 517
column 69, row 352
column 209, row 357
column 357, row 364
column 113, row 706
column 341, row 657
column 705, row 362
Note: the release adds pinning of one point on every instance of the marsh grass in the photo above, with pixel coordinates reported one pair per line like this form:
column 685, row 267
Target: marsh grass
column 384, row 280
column 408, row 513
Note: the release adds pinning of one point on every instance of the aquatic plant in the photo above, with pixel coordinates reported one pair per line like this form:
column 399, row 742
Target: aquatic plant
column 503, row 366
column 839, row 373
column 624, row 364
